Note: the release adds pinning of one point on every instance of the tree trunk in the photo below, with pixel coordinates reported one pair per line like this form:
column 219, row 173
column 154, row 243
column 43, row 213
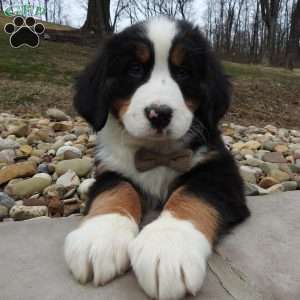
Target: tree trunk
column 46, row 9
column 98, row 17
column 255, row 42
column 1, row 5
column 294, row 39
column 270, row 11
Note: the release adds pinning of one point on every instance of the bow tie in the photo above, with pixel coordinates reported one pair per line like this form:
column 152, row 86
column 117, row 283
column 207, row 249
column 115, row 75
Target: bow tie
column 180, row 160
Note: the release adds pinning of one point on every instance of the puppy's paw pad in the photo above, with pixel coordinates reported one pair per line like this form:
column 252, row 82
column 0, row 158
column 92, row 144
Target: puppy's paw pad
column 98, row 249
column 169, row 258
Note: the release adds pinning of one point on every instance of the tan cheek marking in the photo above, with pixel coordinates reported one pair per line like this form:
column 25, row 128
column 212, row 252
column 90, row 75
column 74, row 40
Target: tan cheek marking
column 120, row 107
column 191, row 104
column 123, row 199
column 201, row 214
column 177, row 55
column 142, row 54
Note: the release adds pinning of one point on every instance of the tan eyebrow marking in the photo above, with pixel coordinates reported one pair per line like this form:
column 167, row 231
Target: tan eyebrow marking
column 142, row 53
column 177, row 55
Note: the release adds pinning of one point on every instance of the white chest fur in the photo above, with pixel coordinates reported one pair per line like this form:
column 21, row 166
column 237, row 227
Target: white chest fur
column 116, row 151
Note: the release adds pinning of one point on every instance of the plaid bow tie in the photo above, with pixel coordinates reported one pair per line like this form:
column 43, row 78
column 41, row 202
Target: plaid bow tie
column 180, row 160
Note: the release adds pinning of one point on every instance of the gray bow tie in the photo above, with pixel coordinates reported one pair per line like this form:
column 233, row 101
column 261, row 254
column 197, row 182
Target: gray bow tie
column 180, row 160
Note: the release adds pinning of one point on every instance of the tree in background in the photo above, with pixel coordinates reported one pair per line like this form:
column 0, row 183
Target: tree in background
column 270, row 12
column 253, row 30
column 137, row 10
column 98, row 17
column 46, row 9
column 240, row 30
column 294, row 38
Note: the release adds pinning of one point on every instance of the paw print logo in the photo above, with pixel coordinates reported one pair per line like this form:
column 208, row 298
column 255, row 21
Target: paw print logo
column 24, row 32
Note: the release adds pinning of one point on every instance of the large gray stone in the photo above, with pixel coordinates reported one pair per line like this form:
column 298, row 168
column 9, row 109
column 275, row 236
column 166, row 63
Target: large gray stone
column 259, row 260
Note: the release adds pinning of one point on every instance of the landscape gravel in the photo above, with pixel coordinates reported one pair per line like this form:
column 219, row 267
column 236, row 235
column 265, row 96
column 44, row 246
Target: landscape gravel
column 47, row 163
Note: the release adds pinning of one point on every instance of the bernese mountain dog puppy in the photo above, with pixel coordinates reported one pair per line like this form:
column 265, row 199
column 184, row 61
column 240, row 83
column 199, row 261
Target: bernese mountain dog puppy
column 155, row 95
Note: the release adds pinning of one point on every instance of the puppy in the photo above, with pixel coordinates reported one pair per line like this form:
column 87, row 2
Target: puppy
column 155, row 95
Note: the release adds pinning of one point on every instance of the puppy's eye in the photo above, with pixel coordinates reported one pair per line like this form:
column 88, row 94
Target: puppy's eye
column 136, row 70
column 181, row 73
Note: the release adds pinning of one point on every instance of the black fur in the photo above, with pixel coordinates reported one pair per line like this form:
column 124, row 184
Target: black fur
column 218, row 182
column 201, row 78
column 106, row 79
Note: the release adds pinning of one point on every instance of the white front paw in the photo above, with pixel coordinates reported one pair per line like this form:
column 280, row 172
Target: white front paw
column 169, row 258
column 98, row 249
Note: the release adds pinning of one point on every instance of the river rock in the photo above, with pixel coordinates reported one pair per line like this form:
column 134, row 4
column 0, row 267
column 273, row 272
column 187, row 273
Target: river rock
column 24, row 169
column 28, row 187
column 69, row 152
column 282, row 148
column 70, row 137
column 251, row 189
column 7, row 156
column 62, row 126
column 45, row 168
column 70, row 209
column 4, row 212
column 6, row 201
column 21, row 212
column 8, row 144
column 250, row 174
column 269, row 145
column 80, row 166
column 274, row 157
column 296, row 154
column 26, row 150
column 57, row 115
column 279, row 175
column 55, row 190
column 55, row 207
column 84, row 188
column 19, row 130
column 43, row 134
column 68, row 180
column 252, row 145
column 276, row 188
column 267, row 182
column 290, row 185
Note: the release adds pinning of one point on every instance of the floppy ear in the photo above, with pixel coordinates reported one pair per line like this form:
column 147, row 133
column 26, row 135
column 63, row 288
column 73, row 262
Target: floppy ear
column 91, row 99
column 218, row 91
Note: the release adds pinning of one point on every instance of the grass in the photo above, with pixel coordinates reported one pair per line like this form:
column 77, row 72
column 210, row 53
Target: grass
column 38, row 77
column 250, row 71
column 34, row 79
column 50, row 62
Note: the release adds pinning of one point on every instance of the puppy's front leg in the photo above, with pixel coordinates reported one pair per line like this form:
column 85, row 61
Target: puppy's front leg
column 98, row 249
column 169, row 255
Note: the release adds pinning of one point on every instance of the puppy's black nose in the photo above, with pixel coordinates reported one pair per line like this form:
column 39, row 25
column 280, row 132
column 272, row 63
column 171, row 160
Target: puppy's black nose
column 159, row 115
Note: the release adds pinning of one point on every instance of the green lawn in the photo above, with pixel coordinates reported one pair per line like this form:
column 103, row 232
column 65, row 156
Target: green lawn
column 33, row 79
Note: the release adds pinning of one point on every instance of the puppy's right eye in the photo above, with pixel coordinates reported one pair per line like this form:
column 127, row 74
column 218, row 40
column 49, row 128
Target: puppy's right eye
column 136, row 70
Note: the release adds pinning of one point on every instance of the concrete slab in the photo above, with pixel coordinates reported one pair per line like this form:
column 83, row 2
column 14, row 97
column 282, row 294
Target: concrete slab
column 259, row 260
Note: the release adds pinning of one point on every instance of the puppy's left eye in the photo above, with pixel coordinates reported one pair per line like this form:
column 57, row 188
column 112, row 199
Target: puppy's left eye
column 181, row 73
column 136, row 70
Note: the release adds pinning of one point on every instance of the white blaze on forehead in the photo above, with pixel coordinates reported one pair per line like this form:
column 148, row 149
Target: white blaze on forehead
column 161, row 32
column 160, row 88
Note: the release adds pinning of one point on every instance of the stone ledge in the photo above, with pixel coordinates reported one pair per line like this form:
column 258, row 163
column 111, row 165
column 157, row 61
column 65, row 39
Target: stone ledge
column 259, row 260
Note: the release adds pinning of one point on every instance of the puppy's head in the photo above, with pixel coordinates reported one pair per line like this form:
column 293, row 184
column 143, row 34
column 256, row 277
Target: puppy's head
column 155, row 78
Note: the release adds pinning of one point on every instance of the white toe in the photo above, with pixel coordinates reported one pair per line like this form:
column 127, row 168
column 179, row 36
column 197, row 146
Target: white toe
column 169, row 258
column 98, row 249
